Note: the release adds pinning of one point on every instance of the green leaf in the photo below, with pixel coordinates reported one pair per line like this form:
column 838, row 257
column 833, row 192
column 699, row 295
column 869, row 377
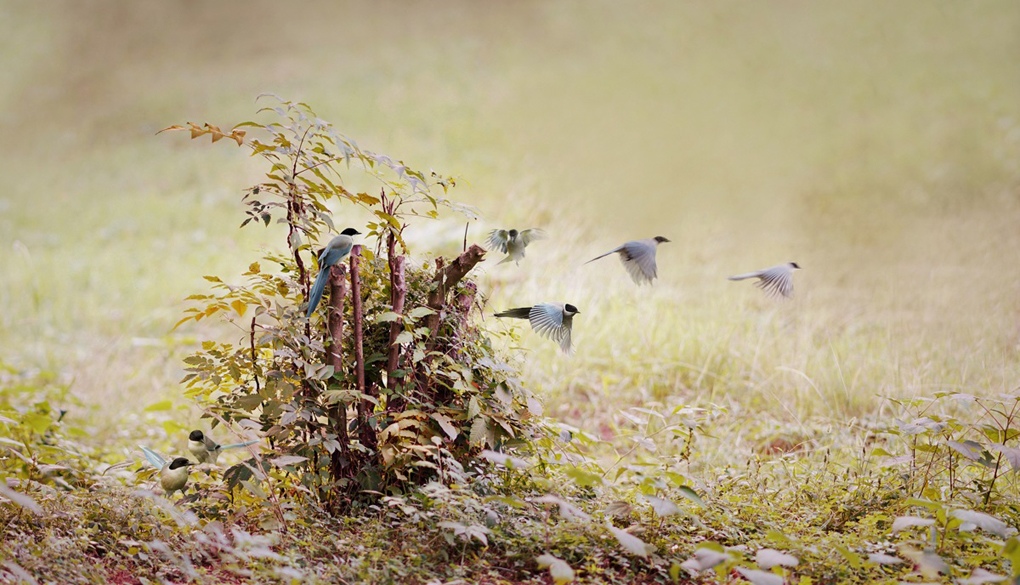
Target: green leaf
column 583, row 478
column 419, row 312
column 631, row 543
column 40, row 423
column 757, row 577
column 691, row 495
column 662, row 507
column 404, row 337
column 852, row 558
column 479, row 431
column 285, row 460
column 769, row 557
column 158, row 406
column 904, row 522
column 447, row 425
column 559, row 570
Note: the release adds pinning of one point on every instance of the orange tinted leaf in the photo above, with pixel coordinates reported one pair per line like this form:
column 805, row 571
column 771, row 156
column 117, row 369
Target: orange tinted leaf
column 178, row 324
column 174, row 127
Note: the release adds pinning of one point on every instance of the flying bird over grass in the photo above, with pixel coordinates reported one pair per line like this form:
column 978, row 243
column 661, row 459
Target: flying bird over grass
column 552, row 320
column 334, row 253
column 777, row 280
column 638, row 258
column 207, row 450
column 173, row 475
column 513, row 242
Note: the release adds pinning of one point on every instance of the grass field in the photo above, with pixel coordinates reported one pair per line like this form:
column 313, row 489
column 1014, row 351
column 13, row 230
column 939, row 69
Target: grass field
column 876, row 144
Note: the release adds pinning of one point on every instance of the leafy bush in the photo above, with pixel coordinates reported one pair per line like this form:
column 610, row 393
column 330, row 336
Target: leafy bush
column 391, row 385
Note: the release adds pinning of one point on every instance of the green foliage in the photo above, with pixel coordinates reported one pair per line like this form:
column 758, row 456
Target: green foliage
column 450, row 393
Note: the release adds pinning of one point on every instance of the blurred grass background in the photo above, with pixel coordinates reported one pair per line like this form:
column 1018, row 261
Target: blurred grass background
column 877, row 144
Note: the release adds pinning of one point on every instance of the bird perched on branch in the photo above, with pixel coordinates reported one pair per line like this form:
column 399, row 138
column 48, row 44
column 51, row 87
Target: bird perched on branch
column 173, row 475
column 552, row 320
column 206, row 450
column 513, row 242
column 638, row 258
column 777, row 280
column 334, row 253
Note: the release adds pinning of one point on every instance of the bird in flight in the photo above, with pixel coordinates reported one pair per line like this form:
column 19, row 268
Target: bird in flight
column 552, row 320
column 638, row 258
column 513, row 242
column 334, row 253
column 777, row 280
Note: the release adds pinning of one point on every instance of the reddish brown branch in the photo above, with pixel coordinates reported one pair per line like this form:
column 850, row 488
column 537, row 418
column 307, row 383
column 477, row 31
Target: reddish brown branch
column 335, row 358
column 446, row 279
column 365, row 406
column 398, row 293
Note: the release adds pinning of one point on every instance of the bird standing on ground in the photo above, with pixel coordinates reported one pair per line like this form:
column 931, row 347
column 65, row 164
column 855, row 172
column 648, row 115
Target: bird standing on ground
column 513, row 242
column 638, row 258
column 334, row 253
column 777, row 280
column 206, row 450
column 173, row 475
column 552, row 320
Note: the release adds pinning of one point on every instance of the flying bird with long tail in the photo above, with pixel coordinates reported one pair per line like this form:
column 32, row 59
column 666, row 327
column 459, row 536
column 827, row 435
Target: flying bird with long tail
column 551, row 320
column 777, row 280
column 638, row 258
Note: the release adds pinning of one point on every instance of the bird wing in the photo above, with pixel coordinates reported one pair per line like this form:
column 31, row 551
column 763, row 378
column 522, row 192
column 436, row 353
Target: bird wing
column 210, row 445
column 530, row 235
column 565, row 339
column 338, row 248
column 154, row 458
column 777, row 280
column 547, row 320
column 497, row 240
column 639, row 259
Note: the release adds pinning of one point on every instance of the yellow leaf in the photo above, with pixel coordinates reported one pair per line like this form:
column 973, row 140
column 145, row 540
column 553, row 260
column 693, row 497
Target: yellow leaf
column 239, row 306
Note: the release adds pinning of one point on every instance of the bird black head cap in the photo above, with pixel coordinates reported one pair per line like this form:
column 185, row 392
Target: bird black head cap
column 350, row 232
column 196, row 436
column 570, row 308
column 180, row 462
column 661, row 239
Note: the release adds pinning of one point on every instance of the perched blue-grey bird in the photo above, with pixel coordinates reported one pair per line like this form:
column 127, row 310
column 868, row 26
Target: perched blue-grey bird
column 173, row 475
column 206, row 450
column 777, row 280
column 552, row 320
column 334, row 253
column 513, row 242
column 638, row 258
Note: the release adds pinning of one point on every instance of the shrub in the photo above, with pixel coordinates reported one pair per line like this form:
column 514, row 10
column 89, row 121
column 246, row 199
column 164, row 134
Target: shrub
column 394, row 385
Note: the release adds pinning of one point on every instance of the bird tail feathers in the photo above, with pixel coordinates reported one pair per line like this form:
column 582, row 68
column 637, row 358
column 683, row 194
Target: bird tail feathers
column 154, row 459
column 744, row 276
column 315, row 295
column 237, row 445
column 520, row 313
column 603, row 256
